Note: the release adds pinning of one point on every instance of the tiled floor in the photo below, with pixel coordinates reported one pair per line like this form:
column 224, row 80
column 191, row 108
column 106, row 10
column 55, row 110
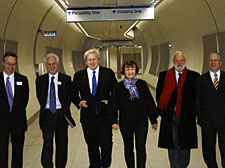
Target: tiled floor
column 78, row 158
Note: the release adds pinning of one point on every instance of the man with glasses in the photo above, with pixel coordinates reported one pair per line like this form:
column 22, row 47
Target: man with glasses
column 14, row 95
column 210, row 105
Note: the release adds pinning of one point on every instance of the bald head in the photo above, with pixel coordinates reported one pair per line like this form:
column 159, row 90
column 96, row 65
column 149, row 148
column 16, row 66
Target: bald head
column 179, row 61
column 214, row 62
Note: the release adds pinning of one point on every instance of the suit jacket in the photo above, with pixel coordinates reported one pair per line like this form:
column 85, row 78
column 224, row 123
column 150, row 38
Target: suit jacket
column 15, row 120
column 187, row 128
column 210, row 103
column 141, row 108
column 106, row 83
column 64, row 93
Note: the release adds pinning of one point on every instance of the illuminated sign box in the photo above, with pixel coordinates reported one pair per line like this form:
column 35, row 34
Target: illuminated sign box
column 110, row 13
column 49, row 33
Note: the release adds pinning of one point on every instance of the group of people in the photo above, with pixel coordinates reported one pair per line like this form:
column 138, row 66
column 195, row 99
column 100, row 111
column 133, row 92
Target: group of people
column 181, row 96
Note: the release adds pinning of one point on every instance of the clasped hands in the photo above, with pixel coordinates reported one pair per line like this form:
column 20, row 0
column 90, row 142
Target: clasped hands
column 83, row 103
column 116, row 126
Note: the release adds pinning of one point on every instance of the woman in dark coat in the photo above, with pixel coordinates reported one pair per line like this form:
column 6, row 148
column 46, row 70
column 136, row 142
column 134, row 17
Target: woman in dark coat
column 135, row 104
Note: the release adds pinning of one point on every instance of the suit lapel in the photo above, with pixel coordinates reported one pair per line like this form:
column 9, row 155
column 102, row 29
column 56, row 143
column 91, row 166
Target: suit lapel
column 86, row 80
column 59, row 86
column 2, row 86
column 221, row 80
column 100, row 79
column 46, row 85
column 15, row 88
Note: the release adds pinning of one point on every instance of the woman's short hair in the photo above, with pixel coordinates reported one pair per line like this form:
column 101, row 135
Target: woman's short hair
column 129, row 63
column 90, row 51
column 51, row 55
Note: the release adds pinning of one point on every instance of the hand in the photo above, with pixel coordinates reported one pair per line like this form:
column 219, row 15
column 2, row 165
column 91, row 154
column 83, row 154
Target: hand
column 115, row 126
column 154, row 126
column 83, row 103
column 104, row 101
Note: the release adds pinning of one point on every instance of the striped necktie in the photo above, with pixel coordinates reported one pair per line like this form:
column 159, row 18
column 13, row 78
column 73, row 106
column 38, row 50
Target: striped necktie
column 216, row 82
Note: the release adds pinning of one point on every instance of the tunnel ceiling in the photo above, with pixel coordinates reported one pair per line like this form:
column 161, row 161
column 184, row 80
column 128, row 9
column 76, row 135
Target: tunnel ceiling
column 109, row 30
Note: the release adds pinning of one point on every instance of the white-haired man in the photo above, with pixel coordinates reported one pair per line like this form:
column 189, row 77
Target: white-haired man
column 53, row 92
column 175, row 95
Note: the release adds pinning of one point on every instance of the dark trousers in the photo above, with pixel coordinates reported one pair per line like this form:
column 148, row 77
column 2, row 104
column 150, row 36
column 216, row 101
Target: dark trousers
column 54, row 124
column 17, row 140
column 209, row 145
column 139, row 129
column 98, row 136
column 179, row 158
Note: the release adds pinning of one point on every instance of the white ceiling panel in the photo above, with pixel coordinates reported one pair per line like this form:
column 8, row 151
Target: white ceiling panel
column 85, row 3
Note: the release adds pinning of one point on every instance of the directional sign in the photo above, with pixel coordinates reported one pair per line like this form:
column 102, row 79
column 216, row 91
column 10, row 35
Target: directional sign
column 110, row 13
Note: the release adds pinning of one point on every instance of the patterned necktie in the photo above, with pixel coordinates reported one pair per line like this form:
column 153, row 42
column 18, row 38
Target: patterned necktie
column 94, row 87
column 52, row 96
column 216, row 82
column 9, row 93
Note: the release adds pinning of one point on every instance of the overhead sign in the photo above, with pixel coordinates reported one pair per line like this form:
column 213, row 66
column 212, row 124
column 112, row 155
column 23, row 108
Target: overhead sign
column 110, row 13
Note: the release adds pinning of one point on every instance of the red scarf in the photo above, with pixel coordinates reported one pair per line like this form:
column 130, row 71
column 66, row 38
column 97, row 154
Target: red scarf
column 169, row 86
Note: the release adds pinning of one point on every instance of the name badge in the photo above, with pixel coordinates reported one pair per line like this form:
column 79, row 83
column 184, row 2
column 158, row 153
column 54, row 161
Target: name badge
column 59, row 83
column 20, row 83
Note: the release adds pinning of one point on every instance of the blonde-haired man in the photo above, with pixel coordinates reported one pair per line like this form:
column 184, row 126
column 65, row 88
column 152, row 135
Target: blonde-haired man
column 91, row 91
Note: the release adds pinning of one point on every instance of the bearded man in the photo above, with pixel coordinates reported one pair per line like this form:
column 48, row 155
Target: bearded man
column 175, row 95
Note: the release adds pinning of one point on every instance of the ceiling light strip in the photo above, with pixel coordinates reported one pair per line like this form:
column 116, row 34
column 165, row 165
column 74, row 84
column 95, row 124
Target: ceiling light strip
column 131, row 27
column 85, row 32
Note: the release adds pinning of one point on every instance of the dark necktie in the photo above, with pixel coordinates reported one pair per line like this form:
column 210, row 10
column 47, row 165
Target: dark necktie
column 9, row 93
column 52, row 96
column 216, row 82
column 94, row 84
column 94, row 87
column 179, row 77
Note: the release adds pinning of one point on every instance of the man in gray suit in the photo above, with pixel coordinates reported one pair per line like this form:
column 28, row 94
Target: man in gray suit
column 210, row 105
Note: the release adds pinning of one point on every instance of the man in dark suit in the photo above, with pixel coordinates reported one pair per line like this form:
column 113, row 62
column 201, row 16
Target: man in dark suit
column 210, row 105
column 14, row 95
column 53, row 92
column 175, row 95
column 95, row 84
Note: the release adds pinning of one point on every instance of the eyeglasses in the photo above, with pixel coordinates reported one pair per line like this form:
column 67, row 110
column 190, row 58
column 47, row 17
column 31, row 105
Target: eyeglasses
column 214, row 60
column 9, row 64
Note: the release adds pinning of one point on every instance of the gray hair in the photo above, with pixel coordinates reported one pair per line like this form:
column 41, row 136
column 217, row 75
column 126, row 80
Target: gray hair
column 51, row 55
column 178, row 52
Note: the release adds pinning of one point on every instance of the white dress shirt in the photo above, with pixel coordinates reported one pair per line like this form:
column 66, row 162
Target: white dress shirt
column 212, row 74
column 56, row 82
column 90, row 75
column 11, row 79
column 177, row 75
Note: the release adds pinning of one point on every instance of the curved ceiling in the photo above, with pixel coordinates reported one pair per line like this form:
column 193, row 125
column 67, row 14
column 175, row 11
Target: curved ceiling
column 107, row 30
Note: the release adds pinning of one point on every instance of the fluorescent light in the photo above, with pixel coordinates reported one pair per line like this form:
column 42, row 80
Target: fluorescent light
column 85, row 32
column 63, row 3
column 129, row 35
column 155, row 2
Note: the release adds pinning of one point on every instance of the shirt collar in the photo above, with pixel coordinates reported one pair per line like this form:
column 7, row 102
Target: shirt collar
column 90, row 71
column 56, row 76
column 212, row 73
column 178, row 72
column 11, row 76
